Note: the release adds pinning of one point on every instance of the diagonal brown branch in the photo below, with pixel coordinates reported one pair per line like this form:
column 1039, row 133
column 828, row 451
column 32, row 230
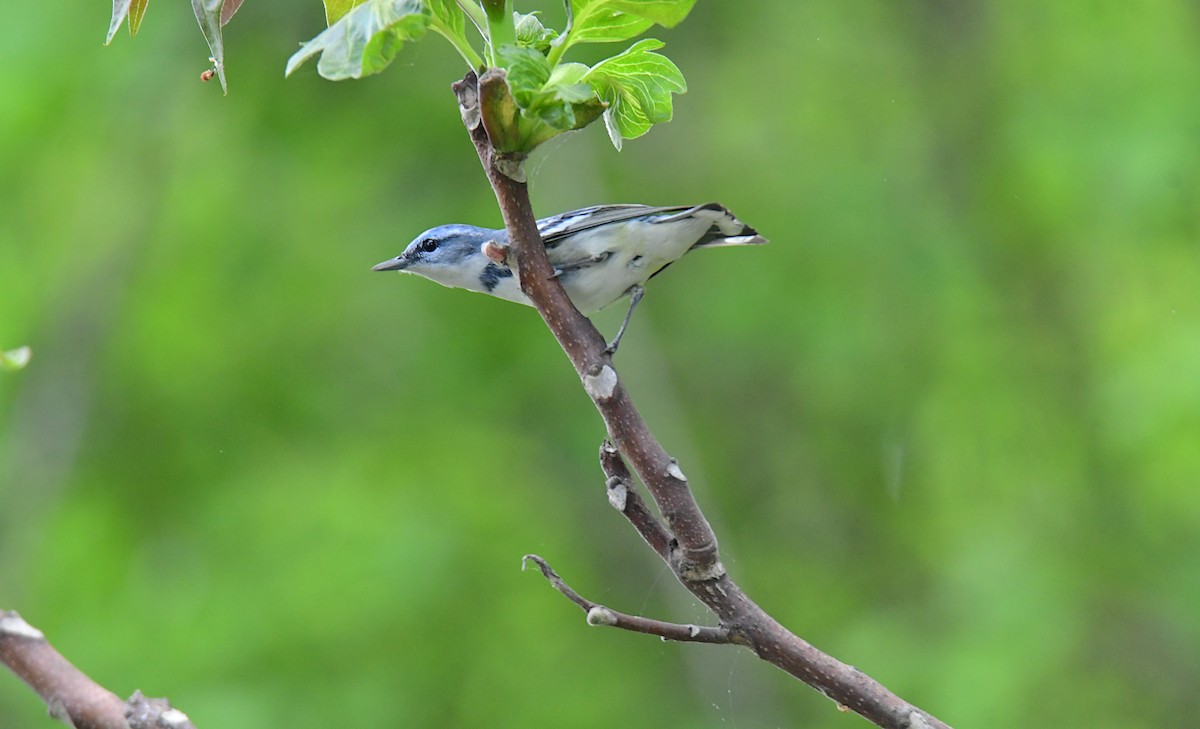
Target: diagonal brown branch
column 70, row 695
column 692, row 547
column 697, row 551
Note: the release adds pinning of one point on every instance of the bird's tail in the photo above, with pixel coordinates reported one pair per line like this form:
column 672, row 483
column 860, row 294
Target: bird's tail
column 726, row 229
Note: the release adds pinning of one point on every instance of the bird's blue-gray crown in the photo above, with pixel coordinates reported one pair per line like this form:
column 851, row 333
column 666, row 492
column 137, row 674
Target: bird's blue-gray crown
column 445, row 245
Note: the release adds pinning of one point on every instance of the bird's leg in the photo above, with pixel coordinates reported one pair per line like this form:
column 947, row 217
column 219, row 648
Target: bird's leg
column 635, row 292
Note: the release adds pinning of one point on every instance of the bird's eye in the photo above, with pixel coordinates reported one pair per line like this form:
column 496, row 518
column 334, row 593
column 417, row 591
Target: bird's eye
column 428, row 245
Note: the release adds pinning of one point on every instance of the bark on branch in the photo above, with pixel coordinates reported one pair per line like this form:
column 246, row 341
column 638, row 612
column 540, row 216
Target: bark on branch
column 72, row 697
column 686, row 541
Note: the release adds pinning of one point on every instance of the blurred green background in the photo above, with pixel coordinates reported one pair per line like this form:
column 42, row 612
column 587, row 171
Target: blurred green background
column 947, row 424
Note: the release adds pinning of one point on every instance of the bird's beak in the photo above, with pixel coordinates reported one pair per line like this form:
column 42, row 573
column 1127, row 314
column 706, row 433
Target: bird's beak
column 399, row 263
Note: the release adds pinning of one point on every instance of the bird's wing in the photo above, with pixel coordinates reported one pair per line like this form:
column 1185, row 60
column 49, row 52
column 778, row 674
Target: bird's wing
column 555, row 229
column 567, row 267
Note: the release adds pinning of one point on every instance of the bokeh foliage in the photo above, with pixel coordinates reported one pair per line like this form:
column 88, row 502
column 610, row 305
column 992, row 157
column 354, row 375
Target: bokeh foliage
column 948, row 423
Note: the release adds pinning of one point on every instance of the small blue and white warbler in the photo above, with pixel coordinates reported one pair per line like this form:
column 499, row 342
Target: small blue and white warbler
column 599, row 254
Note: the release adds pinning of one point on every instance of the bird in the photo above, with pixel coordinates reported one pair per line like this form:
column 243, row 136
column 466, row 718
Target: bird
column 599, row 254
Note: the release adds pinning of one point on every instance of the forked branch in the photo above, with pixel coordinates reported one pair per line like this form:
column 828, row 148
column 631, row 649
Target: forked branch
column 686, row 541
column 624, row 497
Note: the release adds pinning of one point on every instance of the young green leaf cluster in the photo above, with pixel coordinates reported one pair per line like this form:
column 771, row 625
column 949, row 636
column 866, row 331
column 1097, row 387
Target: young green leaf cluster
column 631, row 90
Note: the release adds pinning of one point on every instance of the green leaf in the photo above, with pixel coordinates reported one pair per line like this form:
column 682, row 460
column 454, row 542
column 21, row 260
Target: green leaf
column 568, row 73
column 566, row 88
column 597, row 22
column 137, row 10
column 567, row 107
column 551, row 95
column 611, row 21
column 667, row 13
column 531, row 32
column 550, row 101
column 335, row 9
column 449, row 21
column 119, row 13
column 637, row 86
column 208, row 14
column 451, row 16
column 365, row 40
column 15, row 359
column 575, row 93
column 527, row 69
column 132, row 9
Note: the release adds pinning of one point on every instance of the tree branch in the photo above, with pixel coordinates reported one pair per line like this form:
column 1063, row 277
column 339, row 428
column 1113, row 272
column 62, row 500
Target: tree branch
column 691, row 547
column 598, row 614
column 583, row 344
column 625, row 499
column 70, row 696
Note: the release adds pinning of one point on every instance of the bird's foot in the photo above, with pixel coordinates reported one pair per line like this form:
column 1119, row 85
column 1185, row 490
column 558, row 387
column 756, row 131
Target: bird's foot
column 636, row 292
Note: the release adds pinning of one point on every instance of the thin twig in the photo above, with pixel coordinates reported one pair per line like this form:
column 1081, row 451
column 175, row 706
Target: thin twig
column 625, row 499
column 70, row 695
column 598, row 614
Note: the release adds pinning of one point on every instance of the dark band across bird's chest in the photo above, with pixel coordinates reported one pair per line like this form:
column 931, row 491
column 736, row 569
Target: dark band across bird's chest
column 492, row 275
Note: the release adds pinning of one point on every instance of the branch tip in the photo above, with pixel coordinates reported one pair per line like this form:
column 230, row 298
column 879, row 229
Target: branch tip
column 11, row 623
column 467, row 91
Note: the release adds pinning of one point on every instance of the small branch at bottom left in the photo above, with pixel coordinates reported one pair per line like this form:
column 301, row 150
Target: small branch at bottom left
column 70, row 695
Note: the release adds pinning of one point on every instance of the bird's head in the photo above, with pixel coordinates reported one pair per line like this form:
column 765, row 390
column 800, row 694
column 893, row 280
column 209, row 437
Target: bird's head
column 448, row 254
